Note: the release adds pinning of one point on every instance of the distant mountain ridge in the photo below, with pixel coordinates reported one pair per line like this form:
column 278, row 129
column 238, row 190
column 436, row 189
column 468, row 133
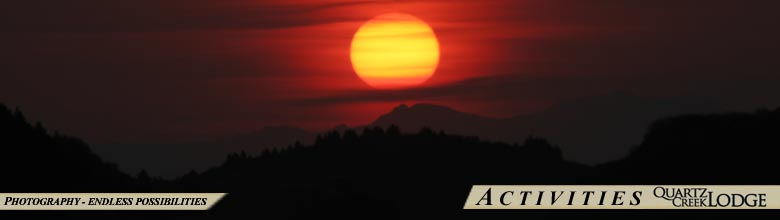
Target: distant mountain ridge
column 445, row 118
column 591, row 130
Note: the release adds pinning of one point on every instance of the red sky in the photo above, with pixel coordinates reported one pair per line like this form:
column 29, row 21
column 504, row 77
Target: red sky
column 165, row 71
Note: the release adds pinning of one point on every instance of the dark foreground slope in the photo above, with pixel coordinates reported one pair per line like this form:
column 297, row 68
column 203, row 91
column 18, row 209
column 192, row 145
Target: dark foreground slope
column 735, row 148
column 383, row 174
column 32, row 160
column 381, row 171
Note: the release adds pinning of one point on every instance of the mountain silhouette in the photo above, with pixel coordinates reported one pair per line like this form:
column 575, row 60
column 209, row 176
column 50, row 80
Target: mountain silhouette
column 590, row 130
column 732, row 148
column 36, row 161
column 440, row 117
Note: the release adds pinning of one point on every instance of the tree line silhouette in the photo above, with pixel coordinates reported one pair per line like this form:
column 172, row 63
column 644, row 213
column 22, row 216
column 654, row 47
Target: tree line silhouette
column 387, row 174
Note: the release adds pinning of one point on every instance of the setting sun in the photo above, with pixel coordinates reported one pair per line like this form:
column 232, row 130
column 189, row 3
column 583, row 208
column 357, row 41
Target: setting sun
column 394, row 51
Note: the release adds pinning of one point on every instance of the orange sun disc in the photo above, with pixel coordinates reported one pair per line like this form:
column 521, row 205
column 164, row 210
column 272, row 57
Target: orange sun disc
column 394, row 51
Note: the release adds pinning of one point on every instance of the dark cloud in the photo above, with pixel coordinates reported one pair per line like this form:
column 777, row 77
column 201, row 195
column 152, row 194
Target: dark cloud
column 155, row 15
column 512, row 90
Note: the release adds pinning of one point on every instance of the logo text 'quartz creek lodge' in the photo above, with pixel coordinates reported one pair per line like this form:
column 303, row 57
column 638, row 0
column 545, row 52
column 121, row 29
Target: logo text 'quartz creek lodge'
column 702, row 197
